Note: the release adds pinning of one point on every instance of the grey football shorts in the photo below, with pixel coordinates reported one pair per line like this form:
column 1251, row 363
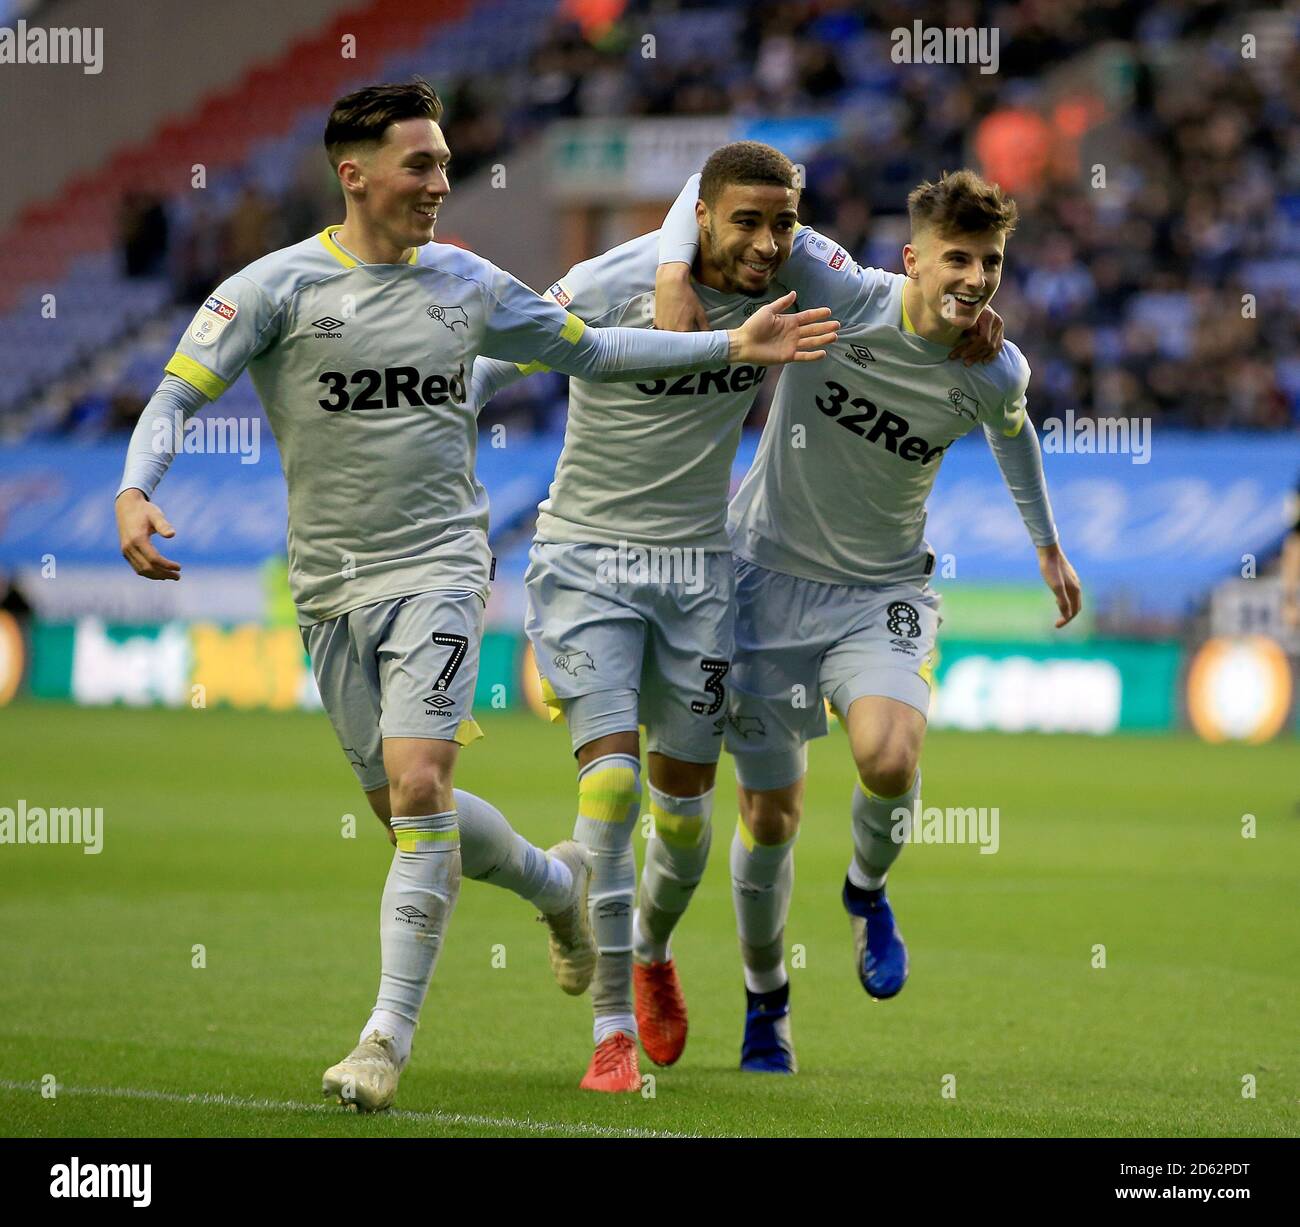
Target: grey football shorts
column 403, row 667
column 601, row 622
column 799, row 642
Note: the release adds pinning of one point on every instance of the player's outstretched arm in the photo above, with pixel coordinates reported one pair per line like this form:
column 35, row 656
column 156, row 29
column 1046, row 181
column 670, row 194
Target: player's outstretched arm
column 612, row 355
column 525, row 327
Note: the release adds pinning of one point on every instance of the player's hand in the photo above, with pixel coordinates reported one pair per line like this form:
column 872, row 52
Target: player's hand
column 677, row 305
column 137, row 520
column 770, row 338
column 982, row 341
column 1060, row 577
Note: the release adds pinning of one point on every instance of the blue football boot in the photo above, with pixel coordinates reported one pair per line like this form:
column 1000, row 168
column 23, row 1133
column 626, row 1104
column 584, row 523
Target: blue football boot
column 880, row 951
column 767, row 1048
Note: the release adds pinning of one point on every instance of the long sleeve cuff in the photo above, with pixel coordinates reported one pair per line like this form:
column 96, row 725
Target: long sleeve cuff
column 622, row 355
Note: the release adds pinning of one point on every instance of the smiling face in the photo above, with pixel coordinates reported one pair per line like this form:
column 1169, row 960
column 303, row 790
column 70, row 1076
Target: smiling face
column 956, row 274
column 396, row 186
column 746, row 236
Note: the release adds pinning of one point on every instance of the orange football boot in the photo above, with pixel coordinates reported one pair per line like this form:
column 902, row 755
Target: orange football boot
column 660, row 1010
column 613, row 1066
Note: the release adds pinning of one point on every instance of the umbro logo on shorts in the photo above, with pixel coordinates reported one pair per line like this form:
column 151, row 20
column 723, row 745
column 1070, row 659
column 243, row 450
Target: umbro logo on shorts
column 411, row 913
column 439, row 701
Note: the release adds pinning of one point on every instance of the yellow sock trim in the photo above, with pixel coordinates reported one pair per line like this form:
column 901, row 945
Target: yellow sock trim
column 409, row 841
column 679, row 830
column 608, row 794
column 747, row 838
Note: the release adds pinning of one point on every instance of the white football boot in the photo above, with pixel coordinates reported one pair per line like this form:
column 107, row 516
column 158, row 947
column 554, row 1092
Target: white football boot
column 366, row 1080
column 573, row 949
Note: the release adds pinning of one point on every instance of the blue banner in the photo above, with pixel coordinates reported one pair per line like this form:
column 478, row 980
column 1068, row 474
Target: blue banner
column 58, row 499
column 1154, row 536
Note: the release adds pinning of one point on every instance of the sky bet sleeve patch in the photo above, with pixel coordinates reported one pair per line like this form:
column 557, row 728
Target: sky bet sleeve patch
column 830, row 254
column 211, row 319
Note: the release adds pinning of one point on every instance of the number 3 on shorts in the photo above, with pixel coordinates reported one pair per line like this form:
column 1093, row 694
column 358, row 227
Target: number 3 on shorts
column 716, row 670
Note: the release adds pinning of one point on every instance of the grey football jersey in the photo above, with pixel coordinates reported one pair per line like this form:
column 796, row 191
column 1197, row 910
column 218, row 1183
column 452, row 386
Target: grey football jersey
column 838, row 487
column 363, row 370
column 648, row 462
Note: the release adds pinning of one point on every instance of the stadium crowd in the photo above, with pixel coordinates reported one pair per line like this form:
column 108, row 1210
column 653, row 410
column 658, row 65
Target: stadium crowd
column 1155, row 158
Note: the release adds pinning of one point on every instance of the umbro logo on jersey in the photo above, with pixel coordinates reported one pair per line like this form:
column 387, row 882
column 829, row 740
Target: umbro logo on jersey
column 967, row 406
column 449, row 317
column 328, row 327
column 860, row 355
column 575, row 661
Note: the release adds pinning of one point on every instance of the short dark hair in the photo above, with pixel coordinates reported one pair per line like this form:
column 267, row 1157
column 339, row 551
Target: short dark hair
column 364, row 115
column 744, row 162
column 962, row 202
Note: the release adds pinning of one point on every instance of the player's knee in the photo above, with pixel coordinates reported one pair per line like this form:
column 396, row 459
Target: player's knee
column 770, row 817
column 611, row 743
column 421, row 788
column 679, row 778
column 888, row 770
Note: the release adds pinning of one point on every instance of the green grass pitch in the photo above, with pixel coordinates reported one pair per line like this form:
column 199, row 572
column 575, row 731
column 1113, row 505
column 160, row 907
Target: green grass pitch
column 223, row 829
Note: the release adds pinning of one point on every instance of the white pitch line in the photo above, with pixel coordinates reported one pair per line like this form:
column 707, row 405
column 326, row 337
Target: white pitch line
column 271, row 1105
